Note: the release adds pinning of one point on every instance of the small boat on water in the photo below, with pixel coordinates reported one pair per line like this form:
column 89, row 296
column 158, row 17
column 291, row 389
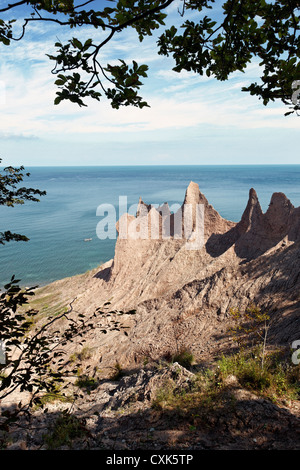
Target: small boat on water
column 88, row 239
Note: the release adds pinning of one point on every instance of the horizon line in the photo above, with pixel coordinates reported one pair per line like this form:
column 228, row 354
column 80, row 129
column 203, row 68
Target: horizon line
column 152, row 164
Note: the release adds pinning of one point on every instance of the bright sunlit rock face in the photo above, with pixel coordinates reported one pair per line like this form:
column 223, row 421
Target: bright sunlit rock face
column 253, row 261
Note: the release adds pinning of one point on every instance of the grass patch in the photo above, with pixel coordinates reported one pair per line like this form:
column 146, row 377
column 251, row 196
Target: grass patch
column 184, row 357
column 192, row 405
column 52, row 397
column 83, row 355
column 277, row 381
column 86, row 383
column 66, row 428
column 118, row 372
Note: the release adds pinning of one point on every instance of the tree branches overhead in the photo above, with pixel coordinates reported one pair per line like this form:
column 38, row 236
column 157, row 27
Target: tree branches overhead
column 208, row 37
column 11, row 193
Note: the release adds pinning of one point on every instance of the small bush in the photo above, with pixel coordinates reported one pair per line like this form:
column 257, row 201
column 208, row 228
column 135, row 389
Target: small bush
column 83, row 355
column 4, row 440
column 164, row 396
column 194, row 404
column 118, row 372
column 275, row 381
column 66, row 428
column 86, row 382
column 278, row 381
column 185, row 358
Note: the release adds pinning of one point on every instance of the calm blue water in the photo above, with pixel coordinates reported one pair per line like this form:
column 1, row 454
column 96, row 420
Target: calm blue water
column 66, row 216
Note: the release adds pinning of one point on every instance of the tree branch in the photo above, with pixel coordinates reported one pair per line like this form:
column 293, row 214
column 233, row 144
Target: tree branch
column 141, row 16
column 13, row 5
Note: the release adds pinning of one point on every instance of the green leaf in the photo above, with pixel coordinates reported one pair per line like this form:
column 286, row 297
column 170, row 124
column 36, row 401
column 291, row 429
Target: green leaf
column 59, row 82
column 76, row 43
column 5, row 41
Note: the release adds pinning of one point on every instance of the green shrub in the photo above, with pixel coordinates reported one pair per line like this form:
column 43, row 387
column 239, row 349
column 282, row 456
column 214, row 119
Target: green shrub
column 86, row 382
column 66, row 428
column 118, row 372
column 275, row 381
column 51, row 397
column 194, row 404
column 83, row 355
column 164, row 396
column 184, row 357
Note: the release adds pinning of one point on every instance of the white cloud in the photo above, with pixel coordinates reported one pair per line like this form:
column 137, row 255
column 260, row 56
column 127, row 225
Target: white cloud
column 183, row 101
column 29, row 110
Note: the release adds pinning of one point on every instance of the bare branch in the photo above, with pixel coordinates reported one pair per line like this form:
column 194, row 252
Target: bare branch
column 13, row 5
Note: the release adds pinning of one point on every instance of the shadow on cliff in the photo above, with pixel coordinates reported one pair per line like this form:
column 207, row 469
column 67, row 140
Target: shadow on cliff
column 285, row 268
column 219, row 243
column 283, row 329
column 258, row 232
column 104, row 274
column 229, row 422
column 247, row 246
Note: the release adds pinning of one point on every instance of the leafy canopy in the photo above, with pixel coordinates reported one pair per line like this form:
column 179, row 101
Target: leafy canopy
column 11, row 193
column 215, row 38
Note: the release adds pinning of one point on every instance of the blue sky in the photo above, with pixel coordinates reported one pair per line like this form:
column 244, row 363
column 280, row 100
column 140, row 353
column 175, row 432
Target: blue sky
column 192, row 120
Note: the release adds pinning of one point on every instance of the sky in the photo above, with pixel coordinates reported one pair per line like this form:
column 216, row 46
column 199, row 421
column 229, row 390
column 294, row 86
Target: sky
column 191, row 120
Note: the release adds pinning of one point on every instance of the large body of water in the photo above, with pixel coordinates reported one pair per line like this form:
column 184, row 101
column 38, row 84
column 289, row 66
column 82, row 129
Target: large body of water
column 59, row 223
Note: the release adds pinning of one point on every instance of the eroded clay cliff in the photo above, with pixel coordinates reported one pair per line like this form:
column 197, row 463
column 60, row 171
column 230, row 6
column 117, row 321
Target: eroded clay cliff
column 183, row 296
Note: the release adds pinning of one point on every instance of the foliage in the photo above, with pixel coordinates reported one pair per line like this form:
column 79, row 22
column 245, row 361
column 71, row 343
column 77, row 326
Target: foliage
column 251, row 327
column 198, row 401
column 118, row 372
column 215, row 38
column 184, row 357
column 11, row 194
column 66, row 428
column 52, row 397
column 87, row 383
column 36, row 361
column 276, row 381
column 82, row 355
